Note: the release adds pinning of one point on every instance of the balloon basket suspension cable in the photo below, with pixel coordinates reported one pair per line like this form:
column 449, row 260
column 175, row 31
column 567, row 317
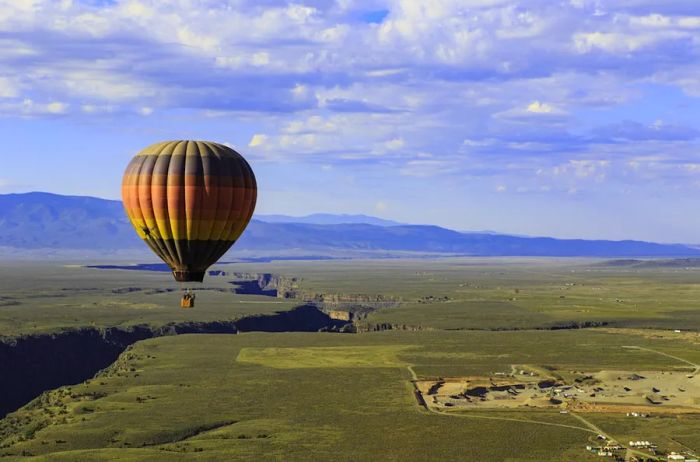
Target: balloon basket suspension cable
column 187, row 300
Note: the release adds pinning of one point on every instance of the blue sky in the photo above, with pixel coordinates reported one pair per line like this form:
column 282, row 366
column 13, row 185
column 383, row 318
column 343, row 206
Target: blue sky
column 567, row 118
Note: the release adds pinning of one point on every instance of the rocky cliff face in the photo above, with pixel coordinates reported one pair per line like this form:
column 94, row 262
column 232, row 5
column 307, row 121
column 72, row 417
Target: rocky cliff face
column 357, row 305
column 305, row 318
column 262, row 283
column 340, row 315
column 362, row 327
column 32, row 364
column 337, row 300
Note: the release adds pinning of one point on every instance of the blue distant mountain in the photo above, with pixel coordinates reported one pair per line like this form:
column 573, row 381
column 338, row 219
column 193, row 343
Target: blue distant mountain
column 327, row 219
column 51, row 221
column 44, row 220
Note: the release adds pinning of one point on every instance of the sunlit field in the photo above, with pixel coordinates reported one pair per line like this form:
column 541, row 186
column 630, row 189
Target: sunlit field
column 296, row 396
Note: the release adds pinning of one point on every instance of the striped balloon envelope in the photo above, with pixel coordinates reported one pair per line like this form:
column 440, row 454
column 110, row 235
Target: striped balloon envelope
column 189, row 201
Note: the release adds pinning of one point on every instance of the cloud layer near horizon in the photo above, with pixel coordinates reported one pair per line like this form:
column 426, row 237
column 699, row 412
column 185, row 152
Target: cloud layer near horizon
column 539, row 98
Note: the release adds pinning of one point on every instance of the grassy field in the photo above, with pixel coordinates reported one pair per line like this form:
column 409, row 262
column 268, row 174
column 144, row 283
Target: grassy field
column 442, row 294
column 41, row 298
column 463, row 293
column 325, row 396
column 297, row 396
column 314, row 357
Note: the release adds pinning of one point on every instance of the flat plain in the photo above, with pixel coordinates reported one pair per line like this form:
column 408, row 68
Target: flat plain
column 331, row 396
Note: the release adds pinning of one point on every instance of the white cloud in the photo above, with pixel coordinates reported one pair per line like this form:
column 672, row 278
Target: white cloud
column 494, row 90
column 652, row 20
column 29, row 107
column 97, row 84
column 690, row 22
column 137, row 9
column 56, row 107
column 610, row 41
column 157, row 44
column 258, row 139
column 260, row 59
column 427, row 168
column 303, row 142
column 540, row 108
column 491, row 78
column 311, row 124
column 395, row 143
column 576, row 171
column 8, row 89
column 535, row 109
column 384, row 72
column 393, row 146
column 300, row 13
column 590, row 168
column 97, row 109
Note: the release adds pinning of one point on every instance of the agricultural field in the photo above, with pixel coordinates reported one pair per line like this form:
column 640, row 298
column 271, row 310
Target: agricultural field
column 432, row 332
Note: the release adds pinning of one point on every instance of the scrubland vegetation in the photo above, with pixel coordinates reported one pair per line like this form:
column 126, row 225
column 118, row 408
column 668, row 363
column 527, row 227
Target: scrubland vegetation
column 330, row 396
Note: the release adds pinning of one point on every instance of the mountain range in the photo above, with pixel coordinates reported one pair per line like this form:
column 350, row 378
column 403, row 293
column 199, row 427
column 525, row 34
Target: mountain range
column 328, row 219
column 37, row 220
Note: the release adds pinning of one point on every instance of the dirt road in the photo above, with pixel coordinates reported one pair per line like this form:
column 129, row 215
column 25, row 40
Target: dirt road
column 696, row 371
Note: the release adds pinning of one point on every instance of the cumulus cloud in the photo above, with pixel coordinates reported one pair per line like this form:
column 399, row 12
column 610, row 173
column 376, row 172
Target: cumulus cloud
column 544, row 112
column 487, row 87
column 131, row 49
column 31, row 108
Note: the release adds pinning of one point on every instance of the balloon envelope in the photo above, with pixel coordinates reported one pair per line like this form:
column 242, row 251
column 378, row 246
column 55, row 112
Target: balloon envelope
column 189, row 201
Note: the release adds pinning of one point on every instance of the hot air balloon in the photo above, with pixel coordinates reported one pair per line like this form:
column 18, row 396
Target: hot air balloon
column 189, row 201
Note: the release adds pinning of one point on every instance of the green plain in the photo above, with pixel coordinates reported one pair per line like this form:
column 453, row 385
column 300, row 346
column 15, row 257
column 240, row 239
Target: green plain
column 327, row 396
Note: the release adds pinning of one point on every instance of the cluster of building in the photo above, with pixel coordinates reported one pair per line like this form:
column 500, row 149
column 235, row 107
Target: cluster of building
column 642, row 444
column 613, row 449
column 609, row 450
column 675, row 456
